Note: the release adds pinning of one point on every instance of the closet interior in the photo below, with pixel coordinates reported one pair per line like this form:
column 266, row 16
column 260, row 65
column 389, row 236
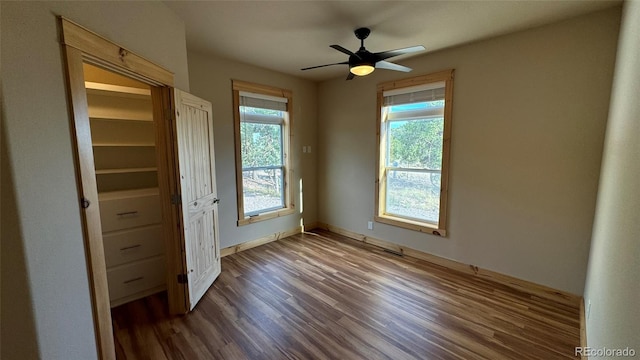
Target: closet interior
column 123, row 139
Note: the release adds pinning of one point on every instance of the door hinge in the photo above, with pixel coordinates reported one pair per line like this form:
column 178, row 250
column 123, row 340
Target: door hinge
column 182, row 278
column 176, row 199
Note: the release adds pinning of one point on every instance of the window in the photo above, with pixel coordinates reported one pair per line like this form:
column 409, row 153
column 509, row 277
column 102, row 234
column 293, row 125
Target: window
column 262, row 135
column 414, row 123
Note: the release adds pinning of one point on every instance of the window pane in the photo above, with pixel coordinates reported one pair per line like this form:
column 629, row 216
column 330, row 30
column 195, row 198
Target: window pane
column 416, row 143
column 262, row 190
column 415, row 195
column 261, row 144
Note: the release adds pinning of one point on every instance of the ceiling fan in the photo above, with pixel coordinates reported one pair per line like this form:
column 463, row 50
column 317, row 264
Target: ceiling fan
column 364, row 62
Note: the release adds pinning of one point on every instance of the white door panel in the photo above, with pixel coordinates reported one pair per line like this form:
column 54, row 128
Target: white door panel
column 196, row 159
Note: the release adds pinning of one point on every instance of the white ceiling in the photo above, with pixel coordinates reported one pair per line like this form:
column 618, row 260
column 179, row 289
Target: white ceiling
column 286, row 36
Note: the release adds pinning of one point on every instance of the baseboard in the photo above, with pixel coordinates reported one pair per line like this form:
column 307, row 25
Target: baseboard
column 261, row 241
column 515, row 283
column 583, row 328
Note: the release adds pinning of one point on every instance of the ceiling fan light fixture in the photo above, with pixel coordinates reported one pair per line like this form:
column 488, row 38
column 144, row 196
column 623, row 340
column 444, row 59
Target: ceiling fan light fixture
column 362, row 69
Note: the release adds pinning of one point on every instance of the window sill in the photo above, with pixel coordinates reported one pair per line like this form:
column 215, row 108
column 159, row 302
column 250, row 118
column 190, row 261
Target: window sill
column 411, row 225
column 266, row 216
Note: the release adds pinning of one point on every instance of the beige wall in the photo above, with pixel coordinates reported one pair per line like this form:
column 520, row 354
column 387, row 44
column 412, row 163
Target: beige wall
column 614, row 263
column 46, row 309
column 210, row 78
column 529, row 115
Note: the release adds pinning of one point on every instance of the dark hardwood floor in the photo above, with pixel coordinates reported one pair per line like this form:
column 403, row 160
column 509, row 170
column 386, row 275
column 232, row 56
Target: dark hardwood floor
column 323, row 296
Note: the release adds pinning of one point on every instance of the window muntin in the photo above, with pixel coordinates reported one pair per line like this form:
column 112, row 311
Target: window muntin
column 262, row 146
column 414, row 125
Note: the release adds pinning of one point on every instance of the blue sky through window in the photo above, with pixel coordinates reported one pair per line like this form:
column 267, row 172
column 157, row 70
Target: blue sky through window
column 416, row 106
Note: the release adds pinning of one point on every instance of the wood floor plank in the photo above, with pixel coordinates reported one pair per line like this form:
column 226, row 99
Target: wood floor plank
column 321, row 295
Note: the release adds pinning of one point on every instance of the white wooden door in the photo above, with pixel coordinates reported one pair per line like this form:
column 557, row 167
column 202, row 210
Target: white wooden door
column 196, row 164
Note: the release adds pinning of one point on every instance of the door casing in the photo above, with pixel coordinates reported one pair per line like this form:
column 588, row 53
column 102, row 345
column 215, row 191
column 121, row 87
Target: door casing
column 81, row 45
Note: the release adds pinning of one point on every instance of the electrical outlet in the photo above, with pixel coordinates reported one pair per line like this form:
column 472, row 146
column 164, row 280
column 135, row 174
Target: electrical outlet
column 304, row 149
column 309, row 149
column 370, row 225
column 588, row 308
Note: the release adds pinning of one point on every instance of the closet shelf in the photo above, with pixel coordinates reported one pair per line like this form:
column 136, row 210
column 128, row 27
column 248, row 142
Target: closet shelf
column 125, row 170
column 122, row 118
column 116, row 90
column 123, row 144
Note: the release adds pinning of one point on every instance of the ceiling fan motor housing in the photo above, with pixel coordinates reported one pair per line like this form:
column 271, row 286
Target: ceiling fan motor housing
column 363, row 57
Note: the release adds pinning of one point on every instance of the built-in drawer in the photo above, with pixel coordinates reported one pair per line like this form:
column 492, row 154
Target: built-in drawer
column 129, row 279
column 124, row 246
column 127, row 209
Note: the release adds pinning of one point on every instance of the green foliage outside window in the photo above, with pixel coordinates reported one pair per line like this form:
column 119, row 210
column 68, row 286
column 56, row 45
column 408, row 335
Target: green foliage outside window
column 261, row 144
column 416, row 143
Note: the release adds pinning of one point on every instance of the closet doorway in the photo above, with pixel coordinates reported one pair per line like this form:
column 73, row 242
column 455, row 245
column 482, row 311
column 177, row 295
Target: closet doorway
column 146, row 179
column 124, row 155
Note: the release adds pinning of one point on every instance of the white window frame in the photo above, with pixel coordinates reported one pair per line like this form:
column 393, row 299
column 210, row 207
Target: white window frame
column 242, row 88
column 407, row 85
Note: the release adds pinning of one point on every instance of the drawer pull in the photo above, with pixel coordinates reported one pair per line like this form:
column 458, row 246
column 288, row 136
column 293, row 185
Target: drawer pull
column 128, row 213
column 130, row 247
column 134, row 279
